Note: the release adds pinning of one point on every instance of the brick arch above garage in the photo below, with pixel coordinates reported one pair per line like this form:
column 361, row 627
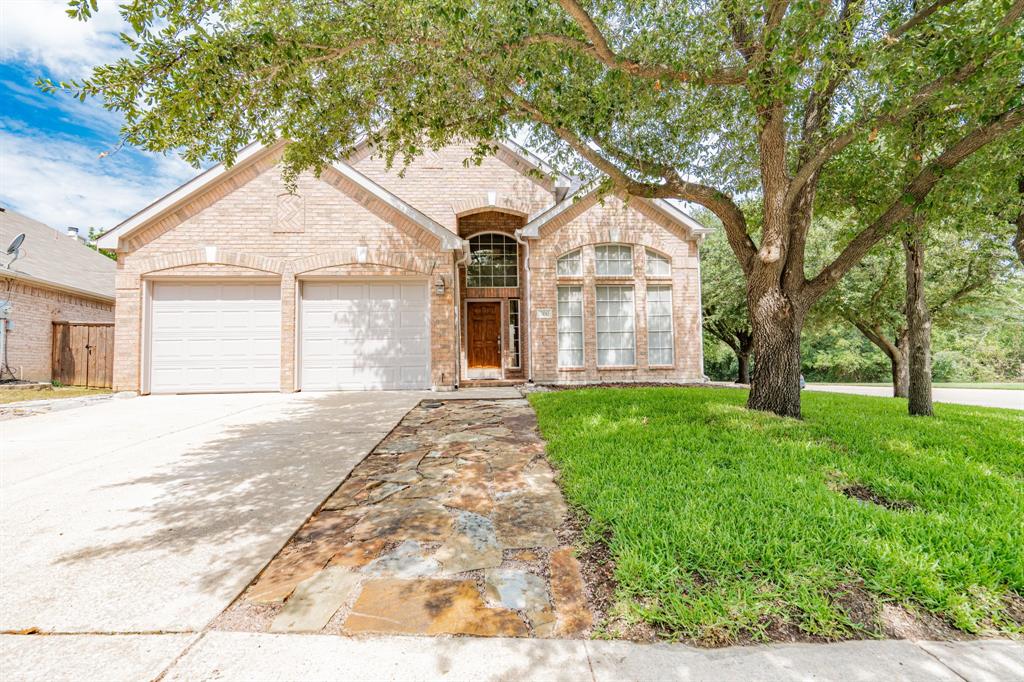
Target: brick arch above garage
column 377, row 258
column 198, row 259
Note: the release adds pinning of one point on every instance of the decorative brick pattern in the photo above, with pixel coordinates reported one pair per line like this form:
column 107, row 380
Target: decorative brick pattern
column 291, row 213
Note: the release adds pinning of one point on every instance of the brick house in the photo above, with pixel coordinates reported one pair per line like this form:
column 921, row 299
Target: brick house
column 364, row 277
column 56, row 279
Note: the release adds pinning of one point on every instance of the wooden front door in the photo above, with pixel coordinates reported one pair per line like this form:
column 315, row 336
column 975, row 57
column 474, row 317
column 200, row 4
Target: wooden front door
column 483, row 332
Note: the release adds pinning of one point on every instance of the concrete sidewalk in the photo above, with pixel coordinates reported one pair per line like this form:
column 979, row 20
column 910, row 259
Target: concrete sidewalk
column 226, row 656
column 980, row 397
column 152, row 514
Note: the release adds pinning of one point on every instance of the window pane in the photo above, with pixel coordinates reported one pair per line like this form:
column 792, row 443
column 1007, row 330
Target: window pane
column 570, row 326
column 493, row 262
column 660, row 349
column 570, row 265
column 616, row 341
column 613, row 260
column 658, row 265
column 513, row 331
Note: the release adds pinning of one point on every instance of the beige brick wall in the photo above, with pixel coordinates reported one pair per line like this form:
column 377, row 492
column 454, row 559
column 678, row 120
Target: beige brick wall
column 232, row 231
column 440, row 185
column 592, row 223
column 34, row 310
column 247, row 226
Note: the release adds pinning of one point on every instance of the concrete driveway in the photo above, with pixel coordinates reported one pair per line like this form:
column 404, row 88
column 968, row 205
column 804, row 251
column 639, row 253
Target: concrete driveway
column 152, row 514
column 982, row 397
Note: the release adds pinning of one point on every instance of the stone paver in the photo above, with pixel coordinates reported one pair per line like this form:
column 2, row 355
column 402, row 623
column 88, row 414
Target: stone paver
column 430, row 607
column 315, row 600
column 447, row 527
column 574, row 617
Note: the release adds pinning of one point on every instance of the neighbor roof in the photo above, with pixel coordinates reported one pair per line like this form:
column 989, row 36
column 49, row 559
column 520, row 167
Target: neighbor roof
column 52, row 258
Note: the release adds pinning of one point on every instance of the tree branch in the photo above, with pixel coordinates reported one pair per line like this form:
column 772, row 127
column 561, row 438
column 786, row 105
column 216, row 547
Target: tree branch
column 912, row 196
column 674, row 186
column 1018, row 238
column 919, row 17
column 599, row 49
column 838, row 143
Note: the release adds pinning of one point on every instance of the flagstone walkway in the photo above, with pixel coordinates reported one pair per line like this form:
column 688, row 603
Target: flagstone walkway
column 450, row 526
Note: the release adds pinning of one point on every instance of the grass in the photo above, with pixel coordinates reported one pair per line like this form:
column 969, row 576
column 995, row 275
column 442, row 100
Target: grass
column 1007, row 386
column 725, row 524
column 17, row 395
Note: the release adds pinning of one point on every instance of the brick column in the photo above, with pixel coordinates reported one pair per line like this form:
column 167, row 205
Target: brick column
column 288, row 326
column 128, row 320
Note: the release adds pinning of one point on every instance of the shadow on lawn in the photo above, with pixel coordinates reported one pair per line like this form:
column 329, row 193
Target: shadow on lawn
column 250, row 489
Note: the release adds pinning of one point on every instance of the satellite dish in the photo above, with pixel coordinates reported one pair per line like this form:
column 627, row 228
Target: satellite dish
column 15, row 248
column 15, row 244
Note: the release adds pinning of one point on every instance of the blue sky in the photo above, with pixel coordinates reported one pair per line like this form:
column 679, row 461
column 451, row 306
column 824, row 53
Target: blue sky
column 50, row 145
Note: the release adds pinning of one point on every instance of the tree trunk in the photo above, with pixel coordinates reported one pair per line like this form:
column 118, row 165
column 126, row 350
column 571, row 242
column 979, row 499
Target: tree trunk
column 919, row 330
column 743, row 374
column 900, row 369
column 776, row 382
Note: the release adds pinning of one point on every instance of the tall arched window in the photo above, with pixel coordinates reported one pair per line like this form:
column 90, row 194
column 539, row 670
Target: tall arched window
column 493, row 261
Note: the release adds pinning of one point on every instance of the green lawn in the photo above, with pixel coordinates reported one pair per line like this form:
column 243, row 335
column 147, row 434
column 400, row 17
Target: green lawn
column 725, row 523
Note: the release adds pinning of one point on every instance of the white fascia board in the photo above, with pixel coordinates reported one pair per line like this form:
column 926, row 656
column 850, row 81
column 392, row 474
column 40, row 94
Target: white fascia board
column 449, row 240
column 532, row 229
column 515, row 148
column 108, row 240
column 695, row 227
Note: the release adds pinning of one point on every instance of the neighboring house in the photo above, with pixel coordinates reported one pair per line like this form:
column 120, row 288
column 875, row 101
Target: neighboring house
column 57, row 279
column 365, row 278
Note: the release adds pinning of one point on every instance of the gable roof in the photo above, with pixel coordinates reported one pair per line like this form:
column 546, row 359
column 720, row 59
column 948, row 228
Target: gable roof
column 52, row 258
column 249, row 154
column 669, row 210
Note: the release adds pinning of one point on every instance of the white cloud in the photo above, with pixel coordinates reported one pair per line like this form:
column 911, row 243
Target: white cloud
column 39, row 32
column 61, row 181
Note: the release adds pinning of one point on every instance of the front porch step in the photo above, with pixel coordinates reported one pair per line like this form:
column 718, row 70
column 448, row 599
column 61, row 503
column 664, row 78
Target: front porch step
column 477, row 383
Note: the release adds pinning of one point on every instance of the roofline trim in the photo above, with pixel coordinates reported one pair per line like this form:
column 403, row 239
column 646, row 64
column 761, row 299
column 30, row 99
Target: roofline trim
column 108, row 240
column 206, row 179
column 449, row 240
column 532, row 229
column 84, row 293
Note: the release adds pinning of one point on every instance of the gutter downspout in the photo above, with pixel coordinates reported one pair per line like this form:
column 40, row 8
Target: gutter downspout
column 458, row 310
column 529, row 307
column 700, row 310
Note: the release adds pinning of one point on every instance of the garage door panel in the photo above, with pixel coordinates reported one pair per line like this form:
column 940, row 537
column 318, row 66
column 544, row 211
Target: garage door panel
column 215, row 337
column 364, row 335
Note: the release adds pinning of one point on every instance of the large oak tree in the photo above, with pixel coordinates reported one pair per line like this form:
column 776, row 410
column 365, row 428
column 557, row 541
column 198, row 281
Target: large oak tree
column 706, row 101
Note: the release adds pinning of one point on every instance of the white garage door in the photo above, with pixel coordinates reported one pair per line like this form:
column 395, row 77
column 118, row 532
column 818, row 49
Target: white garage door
column 215, row 337
column 365, row 335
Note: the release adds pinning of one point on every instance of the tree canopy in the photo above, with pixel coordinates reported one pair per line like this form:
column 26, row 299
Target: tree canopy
column 802, row 105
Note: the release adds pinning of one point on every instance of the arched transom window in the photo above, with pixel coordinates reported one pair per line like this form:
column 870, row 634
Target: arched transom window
column 493, row 261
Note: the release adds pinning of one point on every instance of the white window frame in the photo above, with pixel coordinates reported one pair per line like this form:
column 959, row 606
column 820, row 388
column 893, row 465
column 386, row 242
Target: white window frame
column 558, row 331
column 671, row 327
column 515, row 334
column 602, row 260
column 652, row 257
column 506, row 241
column 570, row 257
column 601, row 292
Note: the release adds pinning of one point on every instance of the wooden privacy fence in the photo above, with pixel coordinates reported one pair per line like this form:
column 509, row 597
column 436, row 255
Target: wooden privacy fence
column 83, row 354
